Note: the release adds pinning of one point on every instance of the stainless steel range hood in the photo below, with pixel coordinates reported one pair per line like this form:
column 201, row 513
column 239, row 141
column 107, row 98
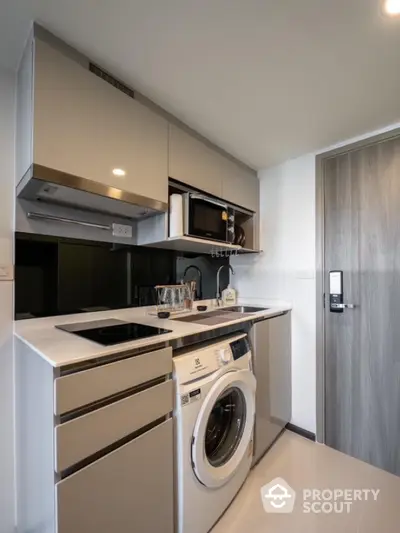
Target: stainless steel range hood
column 76, row 125
column 52, row 186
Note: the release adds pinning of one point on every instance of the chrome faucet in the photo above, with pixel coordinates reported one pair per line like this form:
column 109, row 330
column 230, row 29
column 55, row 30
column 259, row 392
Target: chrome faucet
column 218, row 289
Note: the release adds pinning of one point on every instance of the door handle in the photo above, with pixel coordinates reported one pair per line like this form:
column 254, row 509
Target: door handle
column 343, row 306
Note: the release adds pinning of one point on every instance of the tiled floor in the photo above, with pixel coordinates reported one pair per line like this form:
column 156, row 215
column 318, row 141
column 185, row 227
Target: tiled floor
column 306, row 465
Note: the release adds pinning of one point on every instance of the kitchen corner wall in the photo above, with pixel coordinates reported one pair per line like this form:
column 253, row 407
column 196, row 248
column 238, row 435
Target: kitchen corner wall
column 286, row 268
column 7, row 185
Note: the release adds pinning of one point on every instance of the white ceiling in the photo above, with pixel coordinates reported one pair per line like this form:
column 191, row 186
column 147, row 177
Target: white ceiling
column 266, row 80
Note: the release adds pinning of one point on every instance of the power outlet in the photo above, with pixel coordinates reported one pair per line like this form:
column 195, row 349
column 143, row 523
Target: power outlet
column 121, row 230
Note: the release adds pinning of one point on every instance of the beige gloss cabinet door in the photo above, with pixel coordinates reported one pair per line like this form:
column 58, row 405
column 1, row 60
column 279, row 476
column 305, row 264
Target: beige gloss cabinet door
column 240, row 186
column 130, row 489
column 86, row 127
column 194, row 163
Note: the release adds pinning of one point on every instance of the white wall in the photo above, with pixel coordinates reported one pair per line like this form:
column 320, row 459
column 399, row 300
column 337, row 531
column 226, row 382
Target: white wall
column 288, row 194
column 286, row 269
column 7, row 120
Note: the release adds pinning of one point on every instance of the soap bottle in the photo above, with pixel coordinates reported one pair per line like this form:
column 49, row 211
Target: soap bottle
column 229, row 296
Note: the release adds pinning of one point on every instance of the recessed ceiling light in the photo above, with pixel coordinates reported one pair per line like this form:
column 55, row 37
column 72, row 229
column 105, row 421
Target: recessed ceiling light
column 392, row 7
column 118, row 172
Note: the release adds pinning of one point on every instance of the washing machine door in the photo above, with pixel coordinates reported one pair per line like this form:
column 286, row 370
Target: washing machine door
column 224, row 428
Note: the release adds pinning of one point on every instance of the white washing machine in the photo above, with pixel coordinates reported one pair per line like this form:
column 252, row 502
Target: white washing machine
column 214, row 421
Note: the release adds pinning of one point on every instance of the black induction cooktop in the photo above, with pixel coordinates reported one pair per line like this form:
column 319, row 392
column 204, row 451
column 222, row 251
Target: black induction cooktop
column 109, row 332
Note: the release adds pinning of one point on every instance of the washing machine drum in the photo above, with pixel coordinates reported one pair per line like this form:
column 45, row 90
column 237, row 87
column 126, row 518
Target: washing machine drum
column 224, row 428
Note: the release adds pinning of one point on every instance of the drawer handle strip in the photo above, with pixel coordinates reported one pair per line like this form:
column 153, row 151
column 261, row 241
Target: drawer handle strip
column 115, row 445
column 98, row 404
column 206, row 337
column 274, row 316
column 111, row 358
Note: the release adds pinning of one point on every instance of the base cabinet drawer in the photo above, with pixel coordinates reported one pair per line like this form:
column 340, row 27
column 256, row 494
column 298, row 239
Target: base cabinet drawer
column 82, row 388
column 130, row 489
column 84, row 436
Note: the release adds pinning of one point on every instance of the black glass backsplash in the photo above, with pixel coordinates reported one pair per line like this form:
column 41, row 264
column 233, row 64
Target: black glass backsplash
column 57, row 276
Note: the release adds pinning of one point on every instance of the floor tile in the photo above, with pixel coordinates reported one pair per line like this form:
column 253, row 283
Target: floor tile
column 307, row 465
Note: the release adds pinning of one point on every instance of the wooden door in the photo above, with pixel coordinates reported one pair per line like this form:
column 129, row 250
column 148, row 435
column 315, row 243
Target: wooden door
column 362, row 345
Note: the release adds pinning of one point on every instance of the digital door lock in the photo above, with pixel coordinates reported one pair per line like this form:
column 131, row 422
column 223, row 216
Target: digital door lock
column 336, row 304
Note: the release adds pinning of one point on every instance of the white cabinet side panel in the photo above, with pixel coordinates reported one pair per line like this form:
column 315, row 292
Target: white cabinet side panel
column 7, row 184
column 24, row 137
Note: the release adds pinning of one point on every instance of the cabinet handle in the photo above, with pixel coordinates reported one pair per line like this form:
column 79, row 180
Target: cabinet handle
column 68, row 221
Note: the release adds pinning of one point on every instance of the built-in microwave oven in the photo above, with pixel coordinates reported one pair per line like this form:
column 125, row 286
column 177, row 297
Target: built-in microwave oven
column 208, row 218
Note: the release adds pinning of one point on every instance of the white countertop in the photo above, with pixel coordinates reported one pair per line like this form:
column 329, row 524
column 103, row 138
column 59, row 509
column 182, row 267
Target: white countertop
column 60, row 348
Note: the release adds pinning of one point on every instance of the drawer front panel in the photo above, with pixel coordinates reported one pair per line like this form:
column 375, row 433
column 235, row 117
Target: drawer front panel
column 76, row 390
column 84, row 436
column 130, row 489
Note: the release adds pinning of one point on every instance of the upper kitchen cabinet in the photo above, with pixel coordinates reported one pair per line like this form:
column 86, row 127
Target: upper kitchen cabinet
column 240, row 186
column 198, row 165
column 87, row 125
column 194, row 163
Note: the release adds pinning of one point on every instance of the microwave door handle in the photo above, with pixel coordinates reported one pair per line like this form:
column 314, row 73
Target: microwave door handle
column 208, row 199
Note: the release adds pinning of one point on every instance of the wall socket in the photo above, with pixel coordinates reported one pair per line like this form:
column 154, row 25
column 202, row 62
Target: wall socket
column 122, row 230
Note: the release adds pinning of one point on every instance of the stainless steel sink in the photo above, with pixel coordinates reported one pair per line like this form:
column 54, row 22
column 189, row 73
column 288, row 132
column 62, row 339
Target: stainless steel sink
column 244, row 309
column 200, row 316
column 219, row 316
column 212, row 318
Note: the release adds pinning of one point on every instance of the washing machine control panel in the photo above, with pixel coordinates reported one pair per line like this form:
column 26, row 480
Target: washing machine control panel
column 240, row 347
column 224, row 355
